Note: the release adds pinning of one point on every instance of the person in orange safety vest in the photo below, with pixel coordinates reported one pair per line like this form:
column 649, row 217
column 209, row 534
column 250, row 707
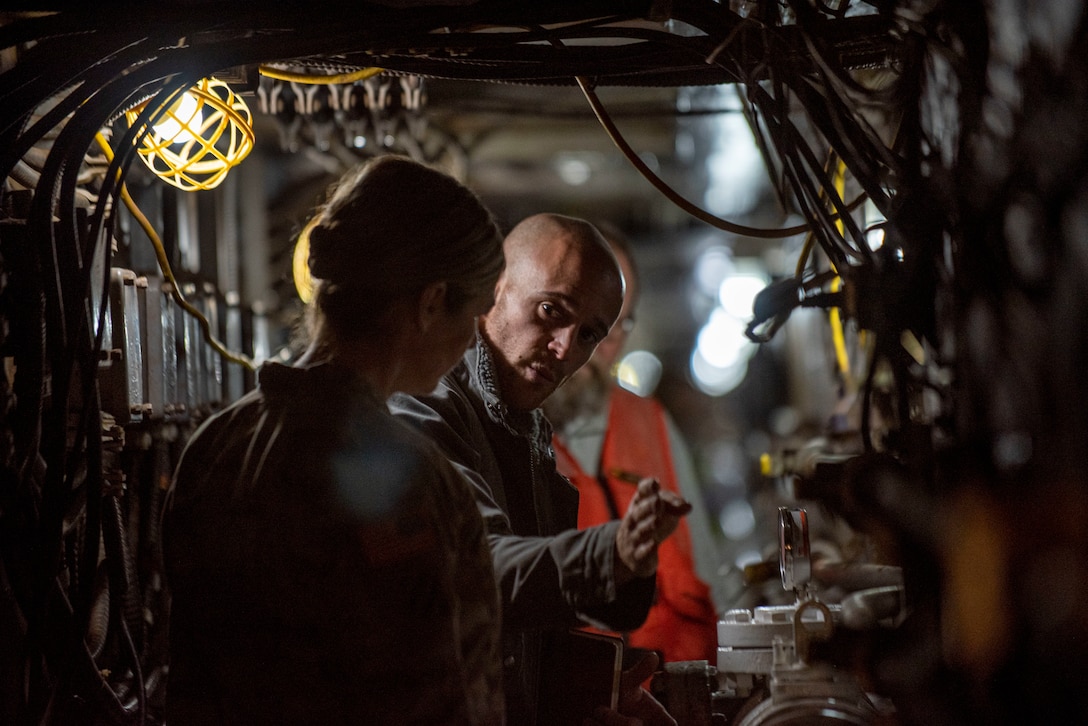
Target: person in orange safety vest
column 607, row 439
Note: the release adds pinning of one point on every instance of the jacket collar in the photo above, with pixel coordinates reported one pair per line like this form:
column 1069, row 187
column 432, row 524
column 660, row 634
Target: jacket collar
column 322, row 382
column 481, row 371
column 480, row 362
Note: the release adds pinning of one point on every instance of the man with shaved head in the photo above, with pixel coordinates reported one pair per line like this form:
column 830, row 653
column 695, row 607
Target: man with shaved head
column 608, row 436
column 559, row 295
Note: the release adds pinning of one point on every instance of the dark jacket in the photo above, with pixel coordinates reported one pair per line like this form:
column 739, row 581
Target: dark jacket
column 326, row 567
column 551, row 575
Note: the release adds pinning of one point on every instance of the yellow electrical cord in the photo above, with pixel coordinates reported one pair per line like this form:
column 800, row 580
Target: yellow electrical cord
column 806, row 250
column 317, row 79
column 838, row 333
column 168, row 273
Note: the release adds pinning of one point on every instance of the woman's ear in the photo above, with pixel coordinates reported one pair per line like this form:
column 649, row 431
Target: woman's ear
column 432, row 305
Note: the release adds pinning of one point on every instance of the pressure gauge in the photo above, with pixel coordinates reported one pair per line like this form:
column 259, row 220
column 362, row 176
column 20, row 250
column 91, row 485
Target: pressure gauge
column 794, row 560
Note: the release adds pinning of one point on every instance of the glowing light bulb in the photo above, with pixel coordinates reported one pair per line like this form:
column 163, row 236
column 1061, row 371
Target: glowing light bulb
column 181, row 122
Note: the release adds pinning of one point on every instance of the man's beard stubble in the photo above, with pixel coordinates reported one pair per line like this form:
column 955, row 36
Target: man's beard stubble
column 584, row 394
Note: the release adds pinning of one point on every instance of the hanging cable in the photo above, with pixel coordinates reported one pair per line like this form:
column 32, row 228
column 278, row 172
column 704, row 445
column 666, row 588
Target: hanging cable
column 168, row 273
column 695, row 211
column 770, row 88
column 809, row 179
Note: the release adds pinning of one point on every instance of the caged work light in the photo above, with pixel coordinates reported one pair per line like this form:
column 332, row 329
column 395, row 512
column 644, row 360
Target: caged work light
column 198, row 137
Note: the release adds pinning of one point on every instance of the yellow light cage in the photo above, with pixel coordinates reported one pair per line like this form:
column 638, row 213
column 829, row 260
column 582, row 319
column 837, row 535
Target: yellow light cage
column 203, row 133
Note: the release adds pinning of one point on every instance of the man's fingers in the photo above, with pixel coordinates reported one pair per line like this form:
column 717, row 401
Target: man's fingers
column 652, row 498
column 678, row 510
column 644, row 551
column 640, row 512
column 644, row 527
column 652, row 516
column 645, row 667
column 673, row 502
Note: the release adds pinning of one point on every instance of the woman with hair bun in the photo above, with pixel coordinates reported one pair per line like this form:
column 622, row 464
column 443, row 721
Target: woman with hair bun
column 327, row 565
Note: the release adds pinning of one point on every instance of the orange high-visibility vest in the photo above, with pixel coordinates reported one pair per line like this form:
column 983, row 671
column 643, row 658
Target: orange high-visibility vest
column 682, row 623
